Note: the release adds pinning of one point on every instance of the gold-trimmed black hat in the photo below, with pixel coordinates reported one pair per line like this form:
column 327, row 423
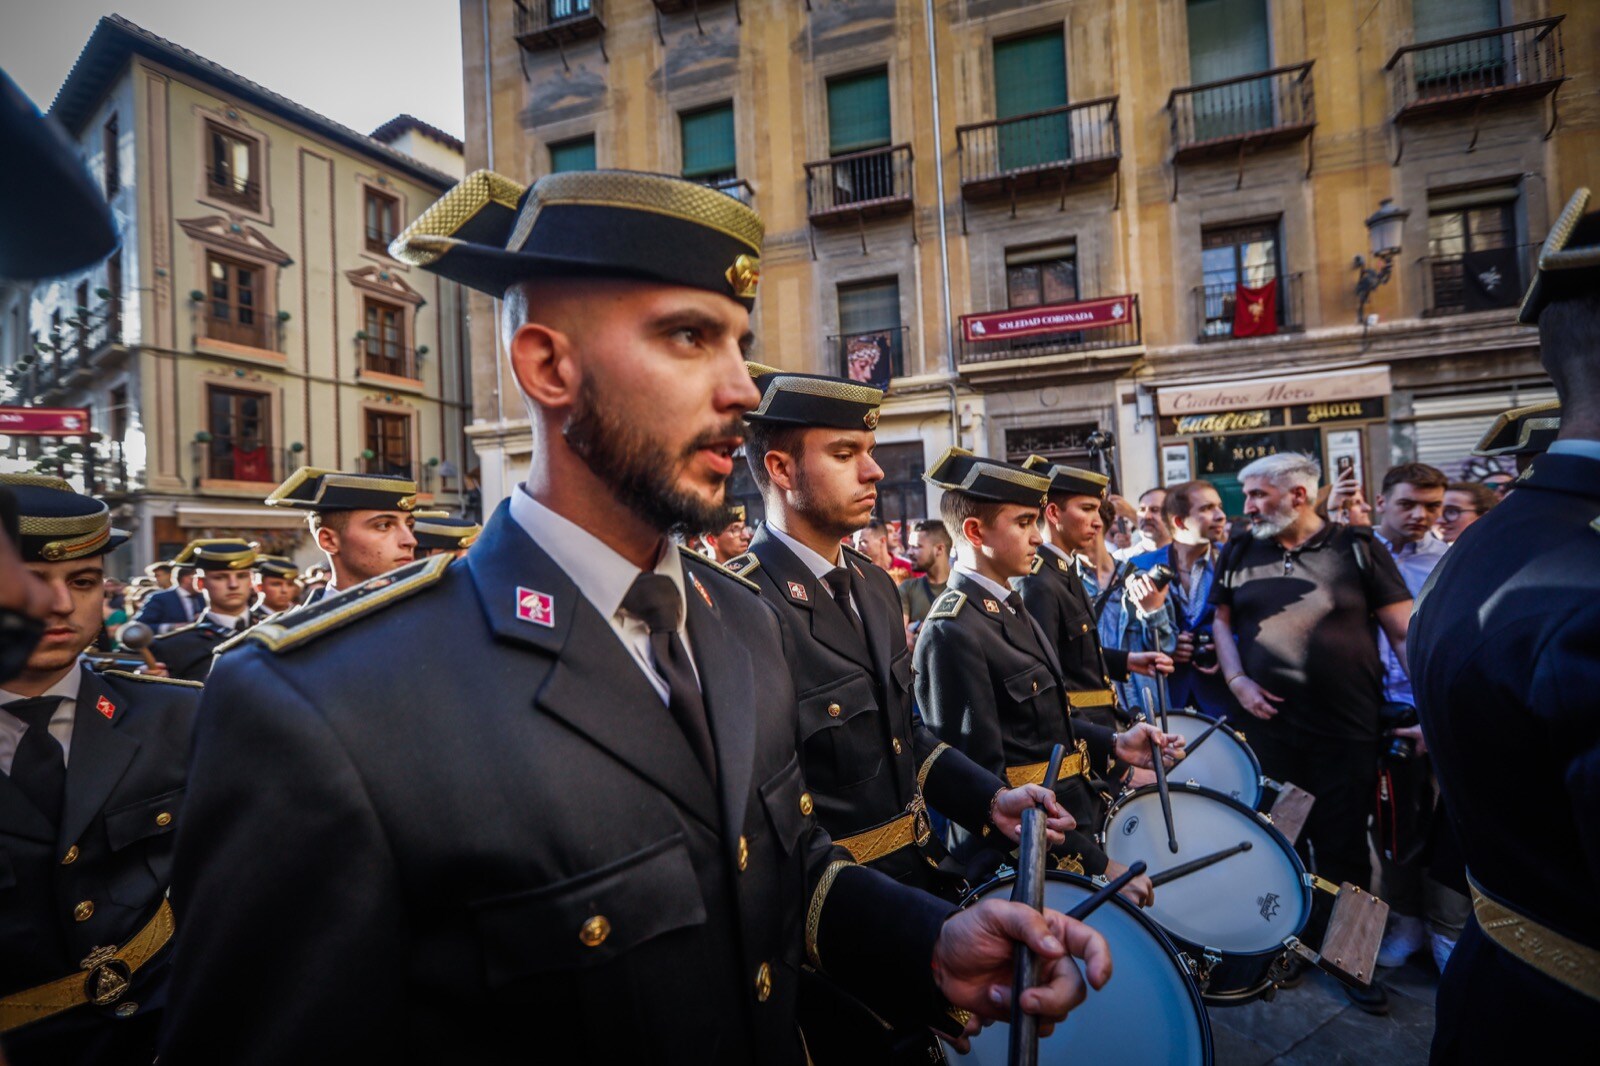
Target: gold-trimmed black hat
column 277, row 566
column 1526, row 430
column 958, row 470
column 1569, row 261
column 1069, row 480
column 489, row 232
column 314, row 489
column 813, row 400
column 218, row 553
column 736, row 513
column 55, row 523
column 443, row 531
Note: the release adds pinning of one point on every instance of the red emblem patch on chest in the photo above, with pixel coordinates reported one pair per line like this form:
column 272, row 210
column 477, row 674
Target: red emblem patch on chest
column 536, row 607
column 797, row 591
column 701, row 589
column 105, row 707
column 991, row 606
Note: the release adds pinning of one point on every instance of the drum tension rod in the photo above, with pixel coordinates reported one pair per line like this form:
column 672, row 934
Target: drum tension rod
column 1321, row 883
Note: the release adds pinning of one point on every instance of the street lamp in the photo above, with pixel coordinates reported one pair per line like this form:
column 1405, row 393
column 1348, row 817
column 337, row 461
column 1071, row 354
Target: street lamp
column 1384, row 227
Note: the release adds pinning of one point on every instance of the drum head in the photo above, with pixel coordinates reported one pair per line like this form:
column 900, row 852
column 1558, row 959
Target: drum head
column 1223, row 764
column 1150, row 1010
column 1244, row 905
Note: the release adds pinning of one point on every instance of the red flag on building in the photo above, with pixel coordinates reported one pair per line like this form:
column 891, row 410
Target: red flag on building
column 1255, row 310
column 251, row 464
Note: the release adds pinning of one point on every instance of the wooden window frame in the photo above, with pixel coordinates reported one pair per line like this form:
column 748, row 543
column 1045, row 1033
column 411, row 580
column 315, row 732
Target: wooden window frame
column 211, row 473
column 110, row 136
column 260, row 338
column 373, row 414
column 402, row 363
column 388, row 203
column 245, row 198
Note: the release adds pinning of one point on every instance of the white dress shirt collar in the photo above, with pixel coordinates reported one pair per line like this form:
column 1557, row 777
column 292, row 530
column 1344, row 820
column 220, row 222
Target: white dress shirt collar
column 1000, row 591
column 812, row 560
column 12, row 728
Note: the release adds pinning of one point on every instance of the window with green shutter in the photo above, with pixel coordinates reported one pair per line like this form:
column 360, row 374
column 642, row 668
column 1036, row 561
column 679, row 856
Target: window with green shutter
column 858, row 112
column 576, row 154
column 1434, row 20
column 708, row 147
column 1030, row 74
column 1229, row 39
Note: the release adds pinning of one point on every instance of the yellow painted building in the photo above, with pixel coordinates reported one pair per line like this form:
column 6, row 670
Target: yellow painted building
column 1040, row 219
column 252, row 320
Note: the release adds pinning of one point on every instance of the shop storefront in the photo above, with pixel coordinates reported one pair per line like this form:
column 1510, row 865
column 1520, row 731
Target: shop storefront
column 1213, row 430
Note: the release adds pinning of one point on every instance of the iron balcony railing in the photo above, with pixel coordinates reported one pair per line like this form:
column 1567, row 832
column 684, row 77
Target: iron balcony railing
column 1125, row 334
column 1216, row 307
column 234, row 189
column 551, row 23
column 230, row 459
column 1073, row 142
column 390, row 467
column 379, row 238
column 1220, row 116
column 861, row 356
column 737, row 188
column 1524, row 60
column 1480, row 280
column 389, row 359
column 874, row 181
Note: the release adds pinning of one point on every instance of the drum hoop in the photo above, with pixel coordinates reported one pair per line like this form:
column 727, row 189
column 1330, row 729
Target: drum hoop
column 1244, row 745
column 1160, row 934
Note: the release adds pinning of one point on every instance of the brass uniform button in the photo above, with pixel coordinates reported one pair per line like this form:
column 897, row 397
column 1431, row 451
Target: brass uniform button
column 84, row 911
column 127, row 1010
column 897, row 748
column 763, row 982
column 744, row 854
column 1086, row 627
column 805, row 804
column 833, row 710
column 595, row 931
column 1036, row 686
column 71, row 856
column 163, row 819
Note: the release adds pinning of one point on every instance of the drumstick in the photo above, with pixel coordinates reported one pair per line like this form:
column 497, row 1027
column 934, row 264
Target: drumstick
column 1166, row 797
column 1187, row 868
column 1201, row 739
column 1029, row 889
column 1082, row 911
column 1162, row 702
column 136, row 636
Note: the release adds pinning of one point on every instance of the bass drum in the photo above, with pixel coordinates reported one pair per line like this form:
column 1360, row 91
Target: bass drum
column 1231, row 918
column 1223, row 764
column 1150, row 1010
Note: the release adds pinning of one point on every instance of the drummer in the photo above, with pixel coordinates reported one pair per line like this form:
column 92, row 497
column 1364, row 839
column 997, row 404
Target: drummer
column 987, row 681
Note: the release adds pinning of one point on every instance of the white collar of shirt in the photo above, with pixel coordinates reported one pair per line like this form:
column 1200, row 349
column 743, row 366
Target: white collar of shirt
column 1058, row 550
column 602, row 576
column 814, row 562
column 1430, row 544
column 1588, row 449
column 12, row 728
column 1000, row 591
column 229, row 620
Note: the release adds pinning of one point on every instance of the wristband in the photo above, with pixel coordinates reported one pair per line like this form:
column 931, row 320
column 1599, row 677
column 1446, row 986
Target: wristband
column 1229, row 681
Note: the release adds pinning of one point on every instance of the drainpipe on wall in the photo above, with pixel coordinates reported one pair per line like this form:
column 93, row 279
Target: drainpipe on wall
column 494, row 325
column 944, row 240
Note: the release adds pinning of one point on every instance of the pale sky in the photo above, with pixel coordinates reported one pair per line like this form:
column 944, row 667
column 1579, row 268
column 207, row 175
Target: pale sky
column 359, row 62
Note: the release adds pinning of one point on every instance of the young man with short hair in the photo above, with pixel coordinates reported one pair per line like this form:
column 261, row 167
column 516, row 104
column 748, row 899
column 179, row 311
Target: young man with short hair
column 989, row 681
column 1464, row 503
column 176, row 605
column 227, row 581
column 362, row 522
column 276, row 582
column 932, row 552
column 731, row 539
column 94, row 766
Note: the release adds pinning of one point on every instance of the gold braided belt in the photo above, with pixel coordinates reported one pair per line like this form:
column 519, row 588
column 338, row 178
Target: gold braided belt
column 910, row 828
column 106, row 976
column 1072, row 765
column 1558, row 957
column 1099, row 697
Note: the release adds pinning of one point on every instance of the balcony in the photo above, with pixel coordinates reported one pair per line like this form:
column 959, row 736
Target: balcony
column 1484, row 279
column 1525, row 61
column 230, row 188
column 1222, row 118
column 1216, row 309
column 737, row 188
column 378, row 357
column 859, row 185
column 246, row 334
column 1051, row 149
column 1108, row 325
column 546, row 24
column 379, row 239
column 871, row 357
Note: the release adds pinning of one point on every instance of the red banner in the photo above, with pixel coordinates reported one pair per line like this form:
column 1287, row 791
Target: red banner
column 1255, row 310
column 44, row 421
column 1052, row 318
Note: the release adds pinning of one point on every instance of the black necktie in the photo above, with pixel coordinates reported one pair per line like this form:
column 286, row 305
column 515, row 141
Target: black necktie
column 654, row 599
column 39, row 767
column 838, row 582
column 241, row 624
column 1014, row 601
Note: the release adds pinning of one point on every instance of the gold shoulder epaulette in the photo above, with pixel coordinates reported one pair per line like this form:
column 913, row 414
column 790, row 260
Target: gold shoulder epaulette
column 152, row 678
column 694, row 556
column 740, row 565
column 1595, row 525
column 293, row 628
column 948, row 605
column 1038, row 563
column 186, row 627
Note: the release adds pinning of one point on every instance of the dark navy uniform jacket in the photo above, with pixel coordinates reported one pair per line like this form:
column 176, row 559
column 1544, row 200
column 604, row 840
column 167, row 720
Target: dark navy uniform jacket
column 1056, row 598
column 444, row 817
column 186, row 651
column 990, row 684
column 165, row 608
column 1505, row 663
column 109, row 861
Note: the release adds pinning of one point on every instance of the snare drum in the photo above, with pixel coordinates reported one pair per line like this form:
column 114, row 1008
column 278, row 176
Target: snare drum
column 1232, row 918
column 1150, row 1010
column 1224, row 762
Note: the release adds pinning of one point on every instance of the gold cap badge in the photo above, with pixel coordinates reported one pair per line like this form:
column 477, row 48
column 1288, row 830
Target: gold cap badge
column 871, row 418
column 744, row 276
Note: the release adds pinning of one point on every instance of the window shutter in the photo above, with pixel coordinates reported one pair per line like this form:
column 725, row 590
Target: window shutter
column 874, row 305
column 1227, row 38
column 1433, row 20
column 708, row 146
column 576, row 154
column 1030, row 74
column 858, row 112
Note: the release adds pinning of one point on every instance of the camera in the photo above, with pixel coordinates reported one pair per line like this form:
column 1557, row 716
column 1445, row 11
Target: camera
column 1397, row 716
column 1160, row 575
column 1205, row 649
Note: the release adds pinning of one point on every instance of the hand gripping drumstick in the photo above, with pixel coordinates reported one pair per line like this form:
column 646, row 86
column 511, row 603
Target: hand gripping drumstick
column 1163, row 704
column 1082, row 911
column 1187, row 868
column 1166, row 797
column 1029, row 889
column 1201, row 739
